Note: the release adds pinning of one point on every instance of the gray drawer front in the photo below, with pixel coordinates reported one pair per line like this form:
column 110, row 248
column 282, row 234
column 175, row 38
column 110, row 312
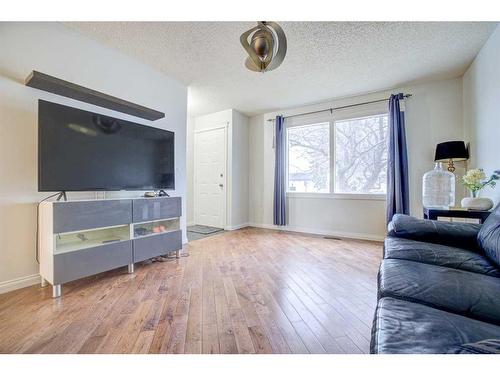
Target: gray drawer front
column 73, row 216
column 156, row 208
column 77, row 264
column 160, row 244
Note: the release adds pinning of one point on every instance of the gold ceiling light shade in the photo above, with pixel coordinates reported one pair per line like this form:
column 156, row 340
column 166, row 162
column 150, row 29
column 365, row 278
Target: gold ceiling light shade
column 265, row 45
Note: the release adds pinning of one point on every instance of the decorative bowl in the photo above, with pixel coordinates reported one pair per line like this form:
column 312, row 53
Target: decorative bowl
column 477, row 204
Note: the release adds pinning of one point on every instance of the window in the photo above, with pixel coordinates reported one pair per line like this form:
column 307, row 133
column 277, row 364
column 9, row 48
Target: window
column 345, row 156
column 361, row 155
column 309, row 158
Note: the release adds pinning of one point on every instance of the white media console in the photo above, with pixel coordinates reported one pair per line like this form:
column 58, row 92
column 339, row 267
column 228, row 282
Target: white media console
column 82, row 238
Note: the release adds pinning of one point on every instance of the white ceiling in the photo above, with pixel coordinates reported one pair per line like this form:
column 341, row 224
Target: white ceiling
column 324, row 59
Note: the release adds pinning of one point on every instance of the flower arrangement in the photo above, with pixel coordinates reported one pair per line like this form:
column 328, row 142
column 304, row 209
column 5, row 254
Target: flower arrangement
column 475, row 180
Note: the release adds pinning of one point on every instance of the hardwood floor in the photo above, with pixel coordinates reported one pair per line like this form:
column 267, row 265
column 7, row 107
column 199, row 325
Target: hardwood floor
column 247, row 291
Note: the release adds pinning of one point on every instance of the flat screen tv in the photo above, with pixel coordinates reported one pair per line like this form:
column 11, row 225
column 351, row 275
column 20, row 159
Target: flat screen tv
column 84, row 151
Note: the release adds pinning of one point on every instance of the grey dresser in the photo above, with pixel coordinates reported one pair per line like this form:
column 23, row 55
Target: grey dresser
column 82, row 238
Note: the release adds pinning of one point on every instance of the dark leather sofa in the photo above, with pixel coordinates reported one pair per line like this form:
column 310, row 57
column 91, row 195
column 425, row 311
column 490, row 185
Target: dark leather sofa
column 439, row 288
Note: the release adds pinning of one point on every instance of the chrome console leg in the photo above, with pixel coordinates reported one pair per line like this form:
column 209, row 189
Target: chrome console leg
column 131, row 268
column 56, row 291
column 177, row 254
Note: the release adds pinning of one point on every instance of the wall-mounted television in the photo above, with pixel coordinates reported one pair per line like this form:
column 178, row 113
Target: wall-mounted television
column 85, row 151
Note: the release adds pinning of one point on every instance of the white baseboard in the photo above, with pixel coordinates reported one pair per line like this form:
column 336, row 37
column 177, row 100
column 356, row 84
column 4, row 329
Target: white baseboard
column 229, row 227
column 20, row 282
column 353, row 235
column 191, row 223
column 237, row 226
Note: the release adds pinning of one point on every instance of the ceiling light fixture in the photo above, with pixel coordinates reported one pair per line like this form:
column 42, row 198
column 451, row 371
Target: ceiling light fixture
column 265, row 45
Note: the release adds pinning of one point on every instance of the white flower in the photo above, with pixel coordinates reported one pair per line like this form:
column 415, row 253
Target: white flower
column 474, row 177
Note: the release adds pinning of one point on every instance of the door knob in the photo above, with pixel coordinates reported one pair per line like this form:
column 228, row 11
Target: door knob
column 221, row 185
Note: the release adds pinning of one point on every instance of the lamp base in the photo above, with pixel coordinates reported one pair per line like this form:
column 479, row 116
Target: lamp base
column 451, row 167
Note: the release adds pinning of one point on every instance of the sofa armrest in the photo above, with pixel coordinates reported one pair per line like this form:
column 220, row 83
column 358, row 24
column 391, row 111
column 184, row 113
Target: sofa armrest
column 463, row 235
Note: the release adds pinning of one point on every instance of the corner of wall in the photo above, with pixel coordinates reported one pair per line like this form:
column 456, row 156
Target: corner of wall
column 481, row 95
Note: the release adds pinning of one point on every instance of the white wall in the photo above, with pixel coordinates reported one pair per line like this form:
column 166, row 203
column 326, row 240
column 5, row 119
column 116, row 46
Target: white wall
column 481, row 87
column 237, row 164
column 53, row 49
column 256, row 173
column 433, row 115
column 239, row 177
column 190, row 170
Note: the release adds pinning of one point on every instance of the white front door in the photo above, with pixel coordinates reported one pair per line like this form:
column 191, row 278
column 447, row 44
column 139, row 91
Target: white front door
column 210, row 177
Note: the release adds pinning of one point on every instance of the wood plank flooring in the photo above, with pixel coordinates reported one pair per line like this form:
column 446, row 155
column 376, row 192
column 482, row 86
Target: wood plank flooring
column 246, row 291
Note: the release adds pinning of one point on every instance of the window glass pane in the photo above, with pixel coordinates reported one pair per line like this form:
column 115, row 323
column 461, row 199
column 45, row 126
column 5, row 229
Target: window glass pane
column 361, row 155
column 309, row 158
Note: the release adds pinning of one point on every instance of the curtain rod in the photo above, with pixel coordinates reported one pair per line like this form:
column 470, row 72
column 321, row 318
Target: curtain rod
column 343, row 107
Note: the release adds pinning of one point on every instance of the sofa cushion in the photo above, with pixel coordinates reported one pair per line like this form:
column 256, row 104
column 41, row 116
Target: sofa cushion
column 405, row 327
column 461, row 235
column 461, row 292
column 439, row 255
column 489, row 236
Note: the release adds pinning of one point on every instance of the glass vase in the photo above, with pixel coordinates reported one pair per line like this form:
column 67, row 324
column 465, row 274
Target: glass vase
column 438, row 188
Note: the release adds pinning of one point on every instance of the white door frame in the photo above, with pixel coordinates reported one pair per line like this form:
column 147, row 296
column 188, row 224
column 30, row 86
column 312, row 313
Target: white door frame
column 225, row 188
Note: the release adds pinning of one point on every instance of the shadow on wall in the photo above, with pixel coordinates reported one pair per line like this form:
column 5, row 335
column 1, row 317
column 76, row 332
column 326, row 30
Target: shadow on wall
column 10, row 75
column 17, row 240
column 18, row 184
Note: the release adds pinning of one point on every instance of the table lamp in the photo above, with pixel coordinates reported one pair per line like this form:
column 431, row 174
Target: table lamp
column 450, row 152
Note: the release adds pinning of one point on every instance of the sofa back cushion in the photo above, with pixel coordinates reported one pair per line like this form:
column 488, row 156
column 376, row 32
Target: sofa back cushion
column 489, row 236
column 462, row 235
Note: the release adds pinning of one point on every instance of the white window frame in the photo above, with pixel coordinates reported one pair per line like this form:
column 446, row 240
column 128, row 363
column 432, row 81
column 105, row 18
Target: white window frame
column 337, row 116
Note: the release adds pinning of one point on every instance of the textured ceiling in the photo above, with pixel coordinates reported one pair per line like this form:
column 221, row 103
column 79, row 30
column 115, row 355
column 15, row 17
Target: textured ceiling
column 324, row 59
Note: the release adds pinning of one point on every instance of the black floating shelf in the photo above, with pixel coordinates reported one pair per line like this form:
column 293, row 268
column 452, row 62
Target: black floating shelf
column 70, row 90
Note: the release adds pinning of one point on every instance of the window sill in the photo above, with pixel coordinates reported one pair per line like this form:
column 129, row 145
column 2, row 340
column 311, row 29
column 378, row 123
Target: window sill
column 371, row 197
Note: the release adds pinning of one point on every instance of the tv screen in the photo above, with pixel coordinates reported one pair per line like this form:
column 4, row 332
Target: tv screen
column 80, row 150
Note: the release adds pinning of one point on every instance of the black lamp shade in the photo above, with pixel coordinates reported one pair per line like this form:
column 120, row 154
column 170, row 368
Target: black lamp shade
column 453, row 150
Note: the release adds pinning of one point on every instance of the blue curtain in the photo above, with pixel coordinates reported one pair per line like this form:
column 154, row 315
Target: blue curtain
column 398, row 200
column 279, row 208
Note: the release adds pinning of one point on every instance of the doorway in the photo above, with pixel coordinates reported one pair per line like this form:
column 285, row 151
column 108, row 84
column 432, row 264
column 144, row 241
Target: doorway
column 210, row 177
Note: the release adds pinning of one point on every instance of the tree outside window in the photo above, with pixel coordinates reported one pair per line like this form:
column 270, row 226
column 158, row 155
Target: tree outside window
column 309, row 158
column 361, row 155
column 360, row 152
